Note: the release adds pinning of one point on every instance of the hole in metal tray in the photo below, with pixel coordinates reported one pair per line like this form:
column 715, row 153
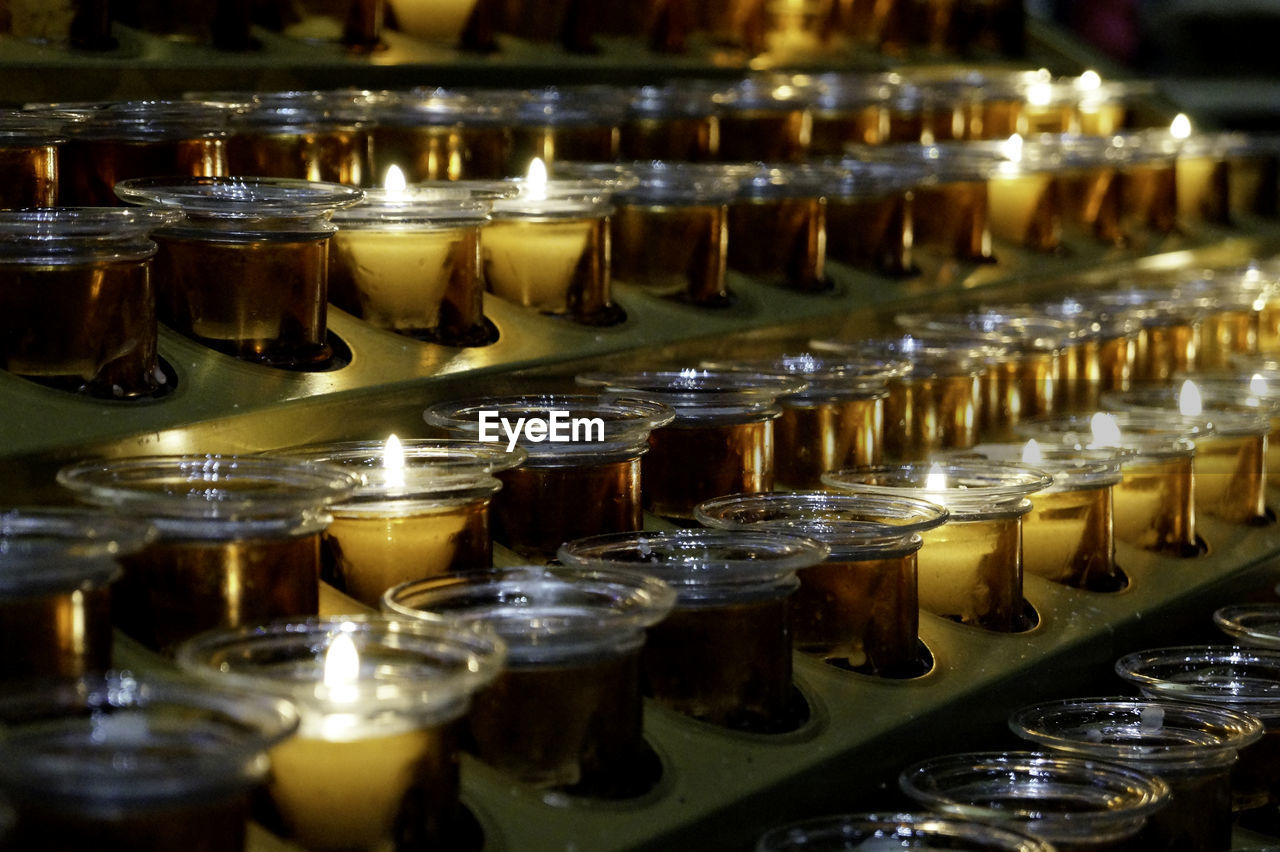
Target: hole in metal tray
column 919, row 667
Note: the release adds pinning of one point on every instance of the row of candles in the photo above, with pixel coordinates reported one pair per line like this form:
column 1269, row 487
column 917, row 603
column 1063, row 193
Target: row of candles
column 418, row 259
column 790, row 29
column 213, row 549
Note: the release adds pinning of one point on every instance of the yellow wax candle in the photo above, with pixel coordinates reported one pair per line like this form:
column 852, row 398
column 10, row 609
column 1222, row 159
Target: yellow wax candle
column 1229, row 475
column 399, row 277
column 1153, row 504
column 1023, row 209
column 1067, row 536
column 434, row 20
column 972, row 571
column 345, row 795
column 1202, row 189
column 373, row 551
column 534, row 263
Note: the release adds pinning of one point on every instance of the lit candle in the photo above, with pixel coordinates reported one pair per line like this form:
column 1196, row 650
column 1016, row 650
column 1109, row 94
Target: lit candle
column 421, row 508
column 433, row 20
column 547, row 248
column 374, row 762
column 1023, row 206
column 407, row 259
column 970, row 567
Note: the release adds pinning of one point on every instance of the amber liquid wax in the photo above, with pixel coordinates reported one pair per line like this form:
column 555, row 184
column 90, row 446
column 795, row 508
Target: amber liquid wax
column 971, row 571
column 1068, row 538
column 441, row 152
column 677, row 251
column 426, row 284
column 574, row 143
column 1152, row 506
column 727, row 664
column 338, row 155
column 215, row 824
column 585, row 735
column 1254, row 185
column 1150, row 198
column 952, row 218
column 91, row 168
column 394, row 790
column 365, row 554
column 1092, row 203
column 83, row 327
column 748, row 136
column 815, row 436
column 834, row 129
column 1203, row 190
column 681, row 138
column 63, row 634
column 173, row 590
column 872, row 233
column 1163, row 350
column 258, row 297
column 928, row 413
column 863, row 614
column 1225, row 333
column 689, row 464
column 1230, row 477
column 28, row 176
column 541, row 507
column 1015, row 388
column 1027, row 210
column 781, row 241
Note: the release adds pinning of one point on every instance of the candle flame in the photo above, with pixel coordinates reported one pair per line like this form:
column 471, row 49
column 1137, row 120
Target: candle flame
column 393, row 462
column 1181, row 126
column 394, row 183
column 1106, row 431
column 1189, row 401
column 1040, row 91
column 536, row 180
column 1258, row 385
column 1012, row 148
column 1089, row 80
column 936, row 480
column 341, row 668
column 1031, row 453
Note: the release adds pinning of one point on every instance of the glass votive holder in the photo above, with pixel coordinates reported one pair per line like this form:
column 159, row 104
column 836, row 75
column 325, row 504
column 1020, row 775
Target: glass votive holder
column 420, row 508
column 681, row 207
column 114, row 141
column 970, row 568
column 1253, row 179
column 380, row 702
column 1149, row 184
column 583, row 472
column 439, row 23
column 1023, row 193
column 1071, row 802
column 777, row 224
column 1254, row 624
column 1102, row 352
column 438, row 134
column 245, row 271
column 765, row 118
column 677, row 121
column 56, row 570
column 565, row 123
column 112, row 761
column 723, row 654
column 100, row 335
column 936, row 404
column 547, row 248
column 1203, row 169
column 408, row 260
column 1231, row 319
column 848, row 107
column 859, row 609
column 29, row 159
column 1152, row 504
column 1230, row 466
column 836, row 421
column 721, row 440
column 896, row 831
column 355, row 24
column 574, row 641
column 1068, row 536
column 1192, row 747
column 1245, row 680
column 870, row 216
column 314, row 140
column 1169, row 327
column 238, row 538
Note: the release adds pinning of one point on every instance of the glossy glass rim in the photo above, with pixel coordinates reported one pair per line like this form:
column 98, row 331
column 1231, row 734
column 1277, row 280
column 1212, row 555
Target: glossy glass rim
column 996, row 487
column 240, row 197
column 52, row 548
column 1244, row 621
column 1248, row 693
column 799, row 836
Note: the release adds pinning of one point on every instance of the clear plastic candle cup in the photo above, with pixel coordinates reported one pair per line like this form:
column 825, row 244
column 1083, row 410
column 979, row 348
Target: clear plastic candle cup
column 970, row 568
column 574, row 640
column 29, row 159
column 115, row 762
column 723, row 655
column 583, row 472
column 238, row 538
column 1193, row 747
column 56, row 570
column 421, row 508
column 896, row 831
column 374, row 763
column 859, row 609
